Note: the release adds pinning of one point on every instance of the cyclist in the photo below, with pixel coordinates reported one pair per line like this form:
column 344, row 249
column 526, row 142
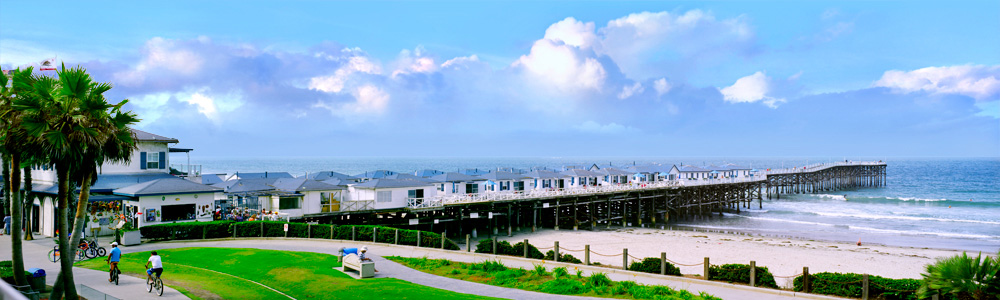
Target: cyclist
column 113, row 258
column 156, row 268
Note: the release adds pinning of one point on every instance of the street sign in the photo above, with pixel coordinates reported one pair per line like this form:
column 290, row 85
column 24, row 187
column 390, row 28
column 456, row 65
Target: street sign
column 286, row 227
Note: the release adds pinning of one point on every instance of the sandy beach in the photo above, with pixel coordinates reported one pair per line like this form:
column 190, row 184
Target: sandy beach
column 782, row 256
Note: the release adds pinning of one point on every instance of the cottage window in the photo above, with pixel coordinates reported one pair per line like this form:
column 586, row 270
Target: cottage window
column 180, row 212
column 383, row 196
column 415, row 194
column 288, row 203
column 152, row 160
column 471, row 188
column 519, row 185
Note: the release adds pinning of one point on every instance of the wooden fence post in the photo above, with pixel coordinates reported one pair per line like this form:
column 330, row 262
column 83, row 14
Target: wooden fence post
column 353, row 233
column 494, row 245
column 442, row 239
column 805, row 279
column 261, row 229
column 707, row 265
column 234, row 229
column 396, row 240
column 204, row 232
column 663, row 263
column 753, row 273
column 586, row 255
column 525, row 248
column 418, row 238
column 374, row 234
column 625, row 259
column 864, row 287
column 468, row 243
column 331, row 231
column 309, row 231
column 556, row 251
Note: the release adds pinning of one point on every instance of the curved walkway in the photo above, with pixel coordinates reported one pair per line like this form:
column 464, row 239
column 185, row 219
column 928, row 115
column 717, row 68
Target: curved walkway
column 131, row 290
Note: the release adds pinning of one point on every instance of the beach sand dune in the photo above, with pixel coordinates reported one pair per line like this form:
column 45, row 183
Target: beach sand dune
column 782, row 256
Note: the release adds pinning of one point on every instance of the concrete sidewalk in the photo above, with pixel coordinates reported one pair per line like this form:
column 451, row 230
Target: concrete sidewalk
column 36, row 256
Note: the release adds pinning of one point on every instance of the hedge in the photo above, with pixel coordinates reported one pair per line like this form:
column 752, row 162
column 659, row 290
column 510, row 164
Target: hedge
column 226, row 229
column 741, row 273
column 7, row 272
column 505, row 248
column 850, row 285
column 563, row 257
column 652, row 265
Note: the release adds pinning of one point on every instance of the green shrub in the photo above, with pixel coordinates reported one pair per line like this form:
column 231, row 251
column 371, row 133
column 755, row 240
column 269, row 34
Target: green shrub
column 187, row 230
column 7, row 274
column 741, row 273
column 540, row 270
column 559, row 272
column 652, row 265
column 850, row 285
column 963, row 277
column 599, row 279
column 623, row 287
column 488, row 266
column 320, row 231
column 509, row 277
column 567, row 258
column 6, row 264
column 388, row 235
column 562, row 286
column 533, row 252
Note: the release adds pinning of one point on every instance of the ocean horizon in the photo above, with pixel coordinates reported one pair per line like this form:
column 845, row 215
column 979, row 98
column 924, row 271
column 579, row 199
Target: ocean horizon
column 944, row 203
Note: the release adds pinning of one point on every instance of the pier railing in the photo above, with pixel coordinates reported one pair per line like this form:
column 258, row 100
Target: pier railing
column 760, row 176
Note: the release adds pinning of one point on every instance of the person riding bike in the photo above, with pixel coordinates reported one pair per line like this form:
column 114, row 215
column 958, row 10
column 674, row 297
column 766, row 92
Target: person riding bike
column 113, row 258
column 156, row 268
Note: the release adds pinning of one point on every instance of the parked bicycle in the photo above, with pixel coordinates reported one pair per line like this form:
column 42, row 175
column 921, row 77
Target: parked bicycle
column 54, row 255
column 98, row 250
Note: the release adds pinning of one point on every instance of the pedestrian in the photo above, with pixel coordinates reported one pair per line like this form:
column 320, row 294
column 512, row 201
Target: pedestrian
column 6, row 224
column 363, row 257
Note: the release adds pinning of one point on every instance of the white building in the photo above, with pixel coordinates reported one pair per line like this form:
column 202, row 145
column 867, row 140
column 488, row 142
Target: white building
column 170, row 200
column 391, row 193
column 453, row 183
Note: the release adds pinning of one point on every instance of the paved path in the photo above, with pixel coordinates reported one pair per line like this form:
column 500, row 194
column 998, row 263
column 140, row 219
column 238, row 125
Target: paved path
column 391, row 269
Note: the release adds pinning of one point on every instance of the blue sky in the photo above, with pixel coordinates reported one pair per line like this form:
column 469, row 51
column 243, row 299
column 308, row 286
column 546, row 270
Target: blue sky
column 555, row 78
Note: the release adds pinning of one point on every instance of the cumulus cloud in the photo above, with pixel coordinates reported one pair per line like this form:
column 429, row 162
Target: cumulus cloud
column 979, row 82
column 751, row 89
column 572, row 32
column 565, row 66
column 334, row 83
column 630, row 90
column 662, row 86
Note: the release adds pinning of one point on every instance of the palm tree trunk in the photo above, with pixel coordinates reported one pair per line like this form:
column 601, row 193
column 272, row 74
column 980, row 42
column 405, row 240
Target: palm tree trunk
column 29, row 204
column 79, row 220
column 6, row 187
column 15, row 232
column 65, row 250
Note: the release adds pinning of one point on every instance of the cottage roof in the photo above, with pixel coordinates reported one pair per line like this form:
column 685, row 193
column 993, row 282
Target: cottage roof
column 324, row 175
column 247, row 185
column 260, row 175
column 500, row 175
column 427, row 173
column 107, row 183
column 208, row 179
column 302, row 185
column 475, row 172
column 544, row 174
column 613, row 172
column 410, row 177
column 582, row 173
column 149, row 137
column 455, row 177
column 646, row 169
column 690, row 169
column 732, row 166
column 375, row 174
column 382, row 183
column 165, row 186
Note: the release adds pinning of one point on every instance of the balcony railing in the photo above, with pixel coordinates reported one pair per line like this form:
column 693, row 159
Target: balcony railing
column 357, row 205
column 187, row 170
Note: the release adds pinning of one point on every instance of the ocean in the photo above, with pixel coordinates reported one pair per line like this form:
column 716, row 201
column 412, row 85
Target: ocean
column 946, row 203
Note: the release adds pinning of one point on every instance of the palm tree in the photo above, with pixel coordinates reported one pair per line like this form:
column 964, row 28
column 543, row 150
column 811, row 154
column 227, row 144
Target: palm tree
column 963, row 277
column 14, row 147
column 77, row 130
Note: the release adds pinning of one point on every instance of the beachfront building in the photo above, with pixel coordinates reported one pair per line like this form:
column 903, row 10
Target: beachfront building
column 169, row 200
column 426, row 173
column 376, row 174
column 688, row 172
column 645, row 173
column 328, row 175
column 454, row 183
column 499, row 181
column 260, row 175
column 301, row 196
column 148, row 162
column 613, row 176
column 579, row 178
column 545, row 180
column 737, row 171
column 383, row 193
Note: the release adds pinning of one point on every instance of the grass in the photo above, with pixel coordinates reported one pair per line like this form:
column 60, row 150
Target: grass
column 539, row 279
column 302, row 275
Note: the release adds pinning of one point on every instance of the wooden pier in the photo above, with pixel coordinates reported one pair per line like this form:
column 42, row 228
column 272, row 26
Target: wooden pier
column 613, row 206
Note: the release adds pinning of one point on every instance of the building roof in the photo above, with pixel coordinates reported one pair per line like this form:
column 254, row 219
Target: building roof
column 208, row 179
column 455, row 177
column 475, row 172
column 646, row 169
column 165, row 186
column 427, row 173
column 324, row 175
column 613, row 172
column 107, row 183
column 302, row 185
column 336, row 181
column 259, row 175
column 544, row 174
column 247, row 185
column 581, row 173
column 375, row 174
column 690, row 169
column 149, row 137
column 732, row 166
column 409, row 177
column 383, row 183
column 500, row 175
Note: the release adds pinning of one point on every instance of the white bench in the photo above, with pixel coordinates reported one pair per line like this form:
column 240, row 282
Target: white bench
column 353, row 263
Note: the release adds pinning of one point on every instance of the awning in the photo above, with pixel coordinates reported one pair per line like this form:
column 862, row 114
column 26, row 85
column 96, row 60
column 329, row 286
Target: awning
column 107, row 198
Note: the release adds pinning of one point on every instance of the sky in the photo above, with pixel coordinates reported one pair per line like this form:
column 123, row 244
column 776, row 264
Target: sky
column 536, row 78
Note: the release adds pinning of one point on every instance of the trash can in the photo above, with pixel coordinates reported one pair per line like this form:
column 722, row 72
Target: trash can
column 37, row 281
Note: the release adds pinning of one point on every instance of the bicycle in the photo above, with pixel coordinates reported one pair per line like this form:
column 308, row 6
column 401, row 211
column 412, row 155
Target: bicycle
column 154, row 284
column 114, row 275
column 99, row 251
column 54, row 255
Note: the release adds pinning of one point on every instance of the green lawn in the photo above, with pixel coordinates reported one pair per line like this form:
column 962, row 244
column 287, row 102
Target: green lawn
column 554, row 281
column 303, row 275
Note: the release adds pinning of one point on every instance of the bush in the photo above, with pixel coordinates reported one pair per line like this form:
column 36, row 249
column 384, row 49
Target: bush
column 7, row 274
column 963, row 277
column 532, row 251
column 503, row 247
column 741, row 273
column 559, row 272
column 388, row 235
column 599, row 279
column 320, row 231
column 567, row 258
column 652, row 265
column 488, row 266
column 562, row 286
column 850, row 285
column 6, row 264
column 187, row 230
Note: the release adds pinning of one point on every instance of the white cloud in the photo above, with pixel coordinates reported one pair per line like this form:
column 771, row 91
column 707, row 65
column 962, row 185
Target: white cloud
column 461, row 62
column 751, row 89
column 563, row 65
column 572, row 32
column 662, row 86
column 629, row 90
column 335, row 83
column 980, row 82
column 610, row 128
column 370, row 100
column 205, row 105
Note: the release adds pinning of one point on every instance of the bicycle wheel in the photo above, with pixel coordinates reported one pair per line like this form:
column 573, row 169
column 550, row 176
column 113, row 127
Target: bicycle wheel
column 149, row 285
column 91, row 253
column 102, row 252
column 159, row 287
column 53, row 255
column 116, row 276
